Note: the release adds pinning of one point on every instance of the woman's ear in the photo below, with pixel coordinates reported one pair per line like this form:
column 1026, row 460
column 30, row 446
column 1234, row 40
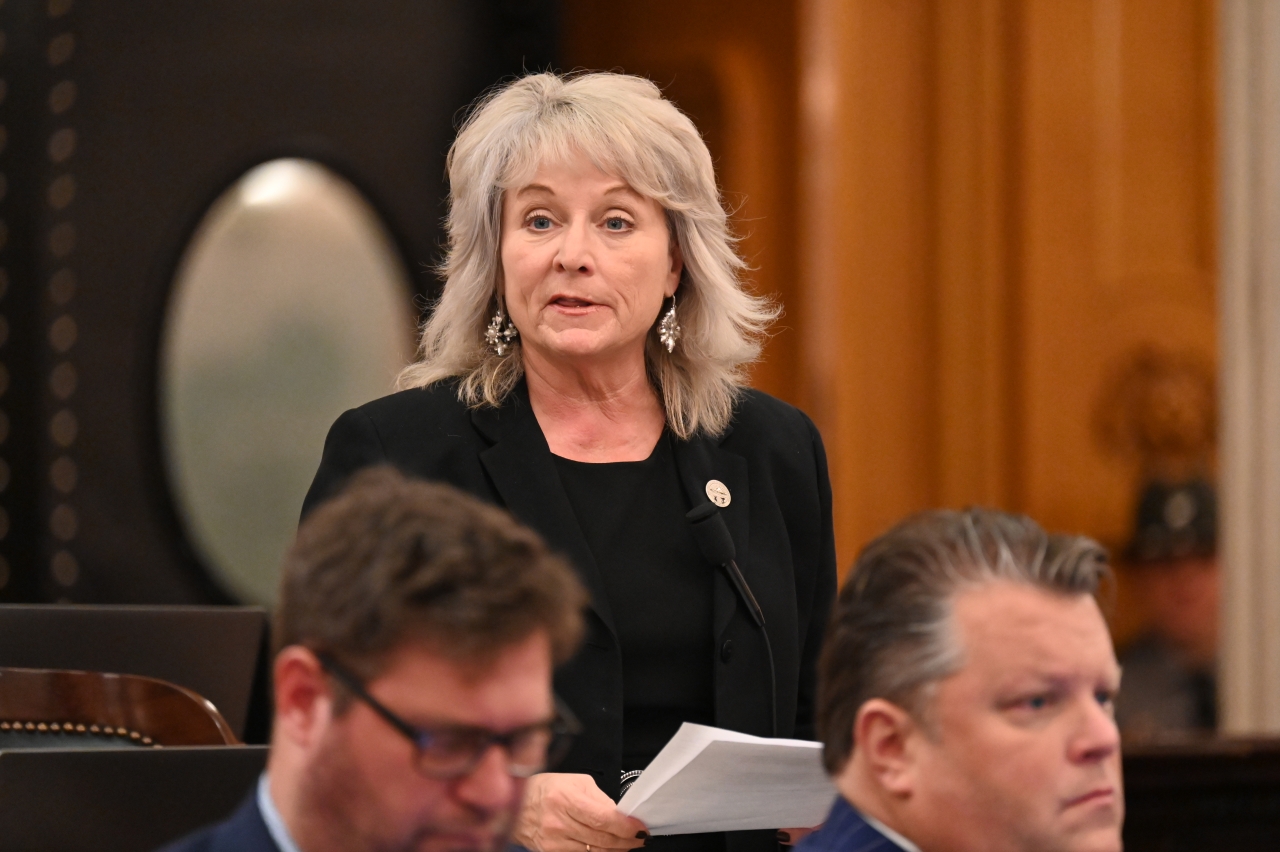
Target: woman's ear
column 302, row 696
column 677, row 268
column 884, row 738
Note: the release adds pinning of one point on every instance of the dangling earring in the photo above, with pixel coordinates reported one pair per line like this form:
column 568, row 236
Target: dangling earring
column 669, row 328
column 499, row 336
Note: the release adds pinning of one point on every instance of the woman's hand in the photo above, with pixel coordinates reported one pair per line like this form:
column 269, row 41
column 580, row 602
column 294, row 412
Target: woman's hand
column 568, row 813
column 792, row 836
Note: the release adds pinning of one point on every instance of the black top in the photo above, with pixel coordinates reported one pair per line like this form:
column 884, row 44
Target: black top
column 659, row 590
column 658, row 587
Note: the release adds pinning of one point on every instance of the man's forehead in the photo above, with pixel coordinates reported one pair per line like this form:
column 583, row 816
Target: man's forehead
column 1009, row 626
column 466, row 662
column 511, row 688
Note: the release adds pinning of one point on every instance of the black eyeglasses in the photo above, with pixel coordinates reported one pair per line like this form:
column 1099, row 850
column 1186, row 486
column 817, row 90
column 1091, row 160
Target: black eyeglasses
column 454, row 751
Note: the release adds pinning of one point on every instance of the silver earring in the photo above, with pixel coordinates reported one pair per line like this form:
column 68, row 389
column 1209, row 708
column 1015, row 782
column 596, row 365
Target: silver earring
column 669, row 328
column 498, row 335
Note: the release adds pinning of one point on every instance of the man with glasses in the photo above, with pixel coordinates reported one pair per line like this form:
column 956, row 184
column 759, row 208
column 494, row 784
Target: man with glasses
column 415, row 637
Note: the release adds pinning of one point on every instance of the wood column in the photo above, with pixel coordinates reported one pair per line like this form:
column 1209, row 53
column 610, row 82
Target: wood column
column 905, row 245
column 1250, row 310
column 1001, row 202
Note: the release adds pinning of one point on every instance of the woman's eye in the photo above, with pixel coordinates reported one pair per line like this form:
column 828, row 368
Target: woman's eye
column 540, row 223
column 616, row 223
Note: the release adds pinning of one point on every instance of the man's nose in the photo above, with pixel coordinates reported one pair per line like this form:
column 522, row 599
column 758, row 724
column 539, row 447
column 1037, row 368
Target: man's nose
column 1097, row 736
column 574, row 253
column 490, row 786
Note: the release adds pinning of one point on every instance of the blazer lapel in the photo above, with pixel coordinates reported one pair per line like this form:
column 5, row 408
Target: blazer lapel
column 525, row 476
column 700, row 460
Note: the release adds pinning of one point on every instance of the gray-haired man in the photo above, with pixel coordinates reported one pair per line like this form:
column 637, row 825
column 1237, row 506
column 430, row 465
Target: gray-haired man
column 966, row 690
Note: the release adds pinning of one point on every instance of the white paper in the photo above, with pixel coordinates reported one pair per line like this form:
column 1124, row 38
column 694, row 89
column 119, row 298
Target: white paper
column 710, row 779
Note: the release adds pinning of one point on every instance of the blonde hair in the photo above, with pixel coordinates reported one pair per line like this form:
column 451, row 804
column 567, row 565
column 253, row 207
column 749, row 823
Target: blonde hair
column 626, row 128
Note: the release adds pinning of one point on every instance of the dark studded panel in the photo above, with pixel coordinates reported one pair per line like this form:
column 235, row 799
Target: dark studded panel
column 119, row 124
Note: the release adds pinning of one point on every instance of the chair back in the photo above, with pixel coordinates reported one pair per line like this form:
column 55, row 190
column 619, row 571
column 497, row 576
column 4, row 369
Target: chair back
column 45, row 708
column 219, row 652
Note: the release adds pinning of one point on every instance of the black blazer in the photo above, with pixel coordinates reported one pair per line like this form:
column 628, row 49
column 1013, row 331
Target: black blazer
column 774, row 465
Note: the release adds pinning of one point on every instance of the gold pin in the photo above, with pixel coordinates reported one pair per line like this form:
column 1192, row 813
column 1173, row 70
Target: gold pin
column 718, row 493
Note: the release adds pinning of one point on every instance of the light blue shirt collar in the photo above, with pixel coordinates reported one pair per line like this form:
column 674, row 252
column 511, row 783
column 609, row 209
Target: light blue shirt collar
column 275, row 825
column 891, row 834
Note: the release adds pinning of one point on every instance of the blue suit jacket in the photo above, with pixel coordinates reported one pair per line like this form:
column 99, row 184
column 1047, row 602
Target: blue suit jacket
column 243, row 831
column 846, row 831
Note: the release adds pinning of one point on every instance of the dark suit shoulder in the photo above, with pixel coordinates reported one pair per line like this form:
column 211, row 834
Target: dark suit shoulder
column 425, row 432
column 420, row 426
column 759, row 410
column 761, row 420
column 243, row 831
column 846, row 830
column 434, row 406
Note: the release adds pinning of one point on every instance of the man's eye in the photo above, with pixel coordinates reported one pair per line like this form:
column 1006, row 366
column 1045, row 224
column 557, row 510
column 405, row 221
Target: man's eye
column 1105, row 697
column 447, row 741
column 1040, row 701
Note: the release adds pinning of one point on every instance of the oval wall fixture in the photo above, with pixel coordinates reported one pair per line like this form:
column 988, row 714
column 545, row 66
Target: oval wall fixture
column 289, row 306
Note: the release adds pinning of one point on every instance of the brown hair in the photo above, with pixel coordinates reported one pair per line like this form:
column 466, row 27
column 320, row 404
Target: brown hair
column 391, row 559
column 889, row 636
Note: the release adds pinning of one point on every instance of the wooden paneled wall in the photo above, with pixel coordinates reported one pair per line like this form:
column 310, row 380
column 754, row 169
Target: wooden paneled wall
column 974, row 211
column 730, row 64
column 1117, row 209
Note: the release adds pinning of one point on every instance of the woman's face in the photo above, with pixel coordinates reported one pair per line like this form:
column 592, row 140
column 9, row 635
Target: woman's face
column 586, row 264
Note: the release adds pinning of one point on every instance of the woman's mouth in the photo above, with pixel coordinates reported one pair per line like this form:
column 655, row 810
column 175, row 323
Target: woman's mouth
column 570, row 302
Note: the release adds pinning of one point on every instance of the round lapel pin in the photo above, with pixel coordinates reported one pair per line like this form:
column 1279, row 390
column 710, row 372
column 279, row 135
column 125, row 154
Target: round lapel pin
column 718, row 493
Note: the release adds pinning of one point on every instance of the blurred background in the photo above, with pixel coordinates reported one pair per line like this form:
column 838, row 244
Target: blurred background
column 997, row 228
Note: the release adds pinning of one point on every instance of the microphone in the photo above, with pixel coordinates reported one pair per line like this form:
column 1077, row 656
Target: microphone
column 712, row 535
column 716, row 544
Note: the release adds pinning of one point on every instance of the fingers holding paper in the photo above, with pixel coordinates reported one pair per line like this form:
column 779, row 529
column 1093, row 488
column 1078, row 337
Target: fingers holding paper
column 792, row 836
column 565, row 812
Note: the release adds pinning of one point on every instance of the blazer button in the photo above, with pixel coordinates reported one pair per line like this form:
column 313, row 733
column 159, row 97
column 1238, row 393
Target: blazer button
column 726, row 651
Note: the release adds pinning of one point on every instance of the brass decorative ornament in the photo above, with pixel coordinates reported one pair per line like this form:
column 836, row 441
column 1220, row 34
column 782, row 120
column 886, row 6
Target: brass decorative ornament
column 1159, row 412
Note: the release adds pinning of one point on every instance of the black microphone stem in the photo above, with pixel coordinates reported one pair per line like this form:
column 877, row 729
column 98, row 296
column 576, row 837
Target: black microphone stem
column 745, row 591
column 712, row 535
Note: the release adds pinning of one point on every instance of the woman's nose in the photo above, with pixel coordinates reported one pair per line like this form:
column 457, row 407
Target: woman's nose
column 575, row 254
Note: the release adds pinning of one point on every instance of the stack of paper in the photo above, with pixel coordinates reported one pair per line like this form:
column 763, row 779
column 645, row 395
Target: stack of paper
column 709, row 779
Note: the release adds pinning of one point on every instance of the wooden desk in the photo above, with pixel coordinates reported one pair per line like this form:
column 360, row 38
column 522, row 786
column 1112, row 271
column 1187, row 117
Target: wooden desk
column 1202, row 796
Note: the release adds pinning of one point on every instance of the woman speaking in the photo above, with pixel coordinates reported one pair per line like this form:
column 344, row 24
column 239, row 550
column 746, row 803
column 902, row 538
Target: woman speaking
column 584, row 367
